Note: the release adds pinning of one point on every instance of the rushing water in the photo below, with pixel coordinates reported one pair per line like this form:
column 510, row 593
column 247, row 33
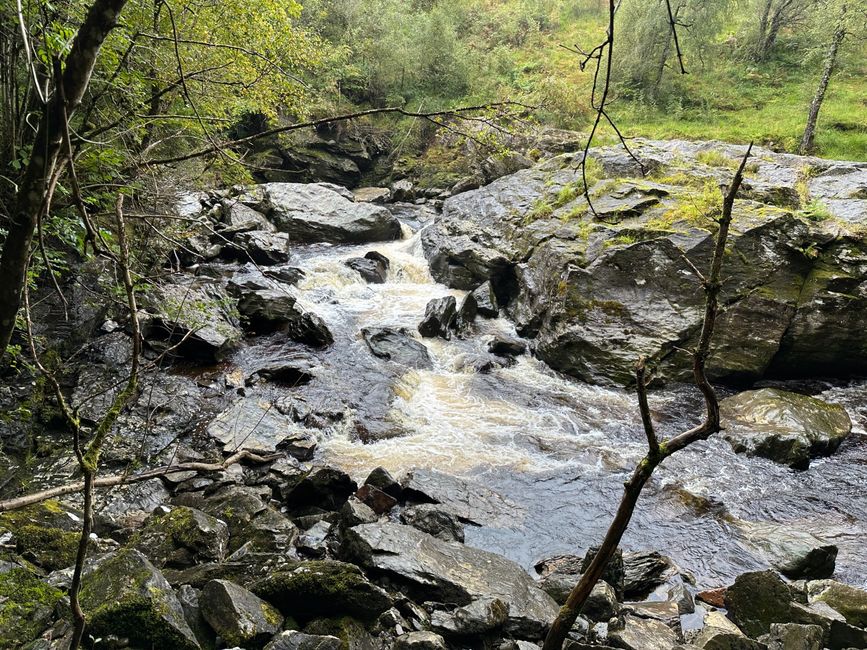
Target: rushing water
column 557, row 449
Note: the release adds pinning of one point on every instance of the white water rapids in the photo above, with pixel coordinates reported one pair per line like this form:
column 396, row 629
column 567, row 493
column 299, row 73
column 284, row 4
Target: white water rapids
column 559, row 449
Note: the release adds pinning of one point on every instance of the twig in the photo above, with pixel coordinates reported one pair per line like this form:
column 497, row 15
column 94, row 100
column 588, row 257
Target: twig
column 673, row 23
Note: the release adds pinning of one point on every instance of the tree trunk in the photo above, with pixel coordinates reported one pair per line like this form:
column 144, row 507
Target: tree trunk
column 807, row 141
column 35, row 189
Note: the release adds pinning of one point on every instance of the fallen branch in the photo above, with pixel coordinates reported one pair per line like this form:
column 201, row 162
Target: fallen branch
column 124, row 479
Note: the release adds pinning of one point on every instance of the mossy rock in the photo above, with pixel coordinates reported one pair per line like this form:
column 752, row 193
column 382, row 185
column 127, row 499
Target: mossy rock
column 850, row 601
column 351, row 632
column 26, row 606
column 323, row 588
column 758, row 599
column 125, row 595
column 45, row 534
column 183, row 537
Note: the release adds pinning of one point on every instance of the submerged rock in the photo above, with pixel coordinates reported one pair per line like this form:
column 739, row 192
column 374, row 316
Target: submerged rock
column 398, row 346
column 450, row 572
column 785, row 427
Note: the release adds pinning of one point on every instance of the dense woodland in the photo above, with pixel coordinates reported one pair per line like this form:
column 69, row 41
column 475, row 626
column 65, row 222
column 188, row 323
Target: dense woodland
column 433, row 324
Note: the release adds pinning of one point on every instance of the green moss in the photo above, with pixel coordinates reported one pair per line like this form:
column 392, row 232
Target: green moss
column 26, row 604
column 39, row 536
column 713, row 158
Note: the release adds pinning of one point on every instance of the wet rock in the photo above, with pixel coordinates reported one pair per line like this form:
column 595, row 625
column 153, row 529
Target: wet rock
column 850, row 601
column 791, row 636
column 285, row 274
column 354, row 512
column 506, row 346
column 325, row 487
column 559, row 585
column 642, row 634
column 786, row 427
column 45, row 534
column 381, row 479
column 398, row 346
column 265, row 248
column 129, row 505
column 439, row 318
column 238, row 616
column 758, row 599
column 435, row 521
column 420, row 641
column 499, row 165
column 469, row 501
column 268, row 310
column 318, row 213
column 125, row 595
column 323, row 588
column 293, row 369
column 644, row 572
column 376, row 499
column 294, row 640
column 714, row 597
column 194, row 319
column 237, row 218
column 466, row 312
column 837, row 633
column 486, row 300
column 373, row 267
column 26, row 605
column 615, row 571
column 259, row 427
column 795, row 554
column 450, row 572
column 183, row 537
column 479, row 617
column 715, row 638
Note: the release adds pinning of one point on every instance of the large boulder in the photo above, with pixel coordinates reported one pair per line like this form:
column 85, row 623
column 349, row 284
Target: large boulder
column 26, row 605
column 125, row 595
column 758, row 599
column 323, row 588
column 240, row 618
column 257, row 426
column 183, row 537
column 598, row 288
column 320, row 213
column 786, row 427
column 450, row 572
column 268, row 310
column 439, row 318
column 850, row 601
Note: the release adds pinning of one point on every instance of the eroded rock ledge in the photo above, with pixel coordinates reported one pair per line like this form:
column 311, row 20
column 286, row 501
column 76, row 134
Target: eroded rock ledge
column 597, row 291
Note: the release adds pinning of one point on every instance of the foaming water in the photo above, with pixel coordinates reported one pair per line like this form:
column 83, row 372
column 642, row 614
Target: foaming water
column 556, row 447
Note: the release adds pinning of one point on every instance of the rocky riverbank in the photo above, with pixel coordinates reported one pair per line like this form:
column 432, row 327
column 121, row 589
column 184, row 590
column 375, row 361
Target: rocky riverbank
column 289, row 330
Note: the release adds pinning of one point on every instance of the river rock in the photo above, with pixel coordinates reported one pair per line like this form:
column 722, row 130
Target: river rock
column 372, row 194
column 506, row 346
column 355, row 512
column 597, row 296
column 786, row 427
column 479, row 617
column 792, row 636
column 758, row 599
column 439, row 318
column 420, row 641
column 450, row 572
column 435, row 521
column 194, row 319
column 238, row 616
column 264, row 248
column 644, row 572
column 183, row 537
column 601, row 604
column 376, row 499
column 268, row 310
column 850, row 601
column 295, row 640
column 314, row 541
column 398, row 346
column 317, row 212
column 403, row 191
column 373, row 267
column 325, row 487
column 486, row 300
column 125, row 595
column 258, row 426
column 323, row 588
column 381, row 479
column 238, row 217
column 794, row 553
column 642, row 634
